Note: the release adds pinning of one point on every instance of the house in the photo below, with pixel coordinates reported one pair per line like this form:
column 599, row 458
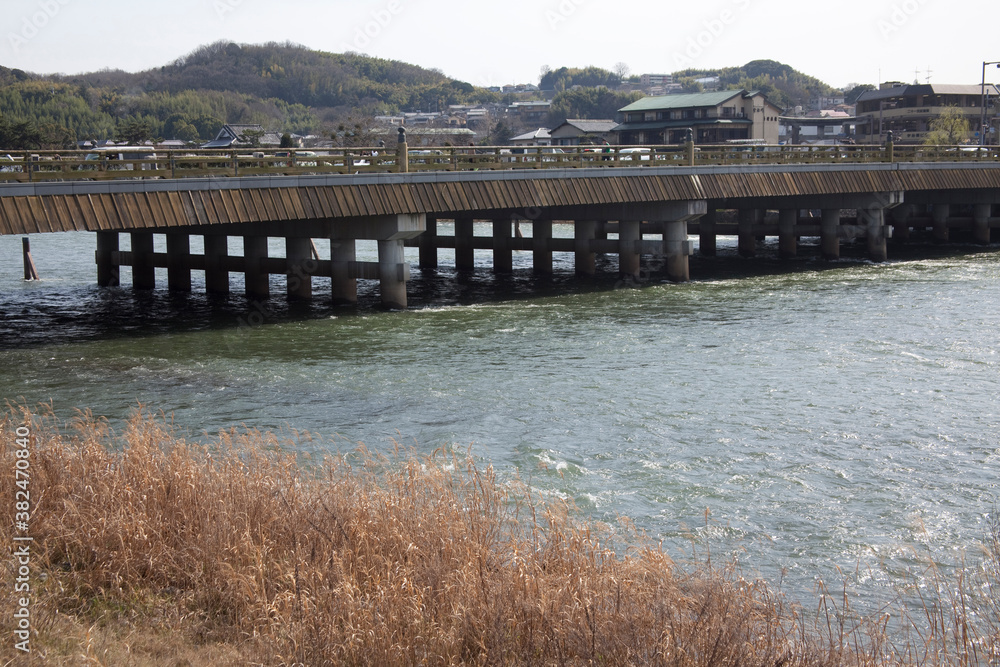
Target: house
column 574, row 132
column 233, row 135
column 539, row 137
column 907, row 110
column 530, row 113
column 714, row 118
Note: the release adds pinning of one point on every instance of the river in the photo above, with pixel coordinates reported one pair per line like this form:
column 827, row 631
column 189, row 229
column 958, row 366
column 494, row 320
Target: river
column 808, row 418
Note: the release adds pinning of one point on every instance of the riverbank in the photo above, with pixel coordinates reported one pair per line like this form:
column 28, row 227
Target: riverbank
column 146, row 547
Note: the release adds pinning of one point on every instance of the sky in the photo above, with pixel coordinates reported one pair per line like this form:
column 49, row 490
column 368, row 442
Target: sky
column 510, row 41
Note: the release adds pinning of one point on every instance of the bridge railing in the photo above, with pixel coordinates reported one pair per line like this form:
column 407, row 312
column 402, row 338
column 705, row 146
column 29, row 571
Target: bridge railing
column 39, row 166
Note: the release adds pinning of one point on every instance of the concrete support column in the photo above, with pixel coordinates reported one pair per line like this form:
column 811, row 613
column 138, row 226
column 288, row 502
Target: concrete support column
column 829, row 233
column 900, row 222
column 981, row 223
column 391, row 275
column 629, row 235
column 179, row 262
column 216, row 275
column 541, row 249
column 427, row 242
column 107, row 270
column 298, row 252
column 940, row 217
column 748, row 218
column 675, row 235
column 707, row 235
column 143, row 272
column 256, row 279
column 788, row 242
column 586, row 261
column 874, row 221
column 345, row 288
column 503, row 255
column 465, row 253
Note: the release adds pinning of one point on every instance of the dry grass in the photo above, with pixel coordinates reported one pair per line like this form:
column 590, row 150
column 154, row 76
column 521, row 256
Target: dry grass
column 159, row 552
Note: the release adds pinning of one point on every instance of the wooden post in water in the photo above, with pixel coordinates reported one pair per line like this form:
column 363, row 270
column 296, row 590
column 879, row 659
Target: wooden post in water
column 503, row 255
column 143, row 271
column 707, row 234
column 465, row 252
column 787, row 240
column 829, row 230
column 427, row 243
column 30, row 272
column 178, row 262
column 298, row 251
column 747, row 244
column 940, row 216
column 216, row 254
column 343, row 252
column 256, row 278
column 108, row 273
column 585, row 231
column 629, row 237
column 541, row 248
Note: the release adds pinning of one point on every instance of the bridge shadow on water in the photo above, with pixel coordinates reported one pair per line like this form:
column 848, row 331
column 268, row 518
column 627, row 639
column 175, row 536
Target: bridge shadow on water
column 88, row 313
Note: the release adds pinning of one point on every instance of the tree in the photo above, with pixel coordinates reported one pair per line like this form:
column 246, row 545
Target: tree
column 854, row 93
column 949, row 129
column 622, row 71
column 500, row 134
column 21, row 135
column 251, row 138
column 287, row 141
column 133, row 130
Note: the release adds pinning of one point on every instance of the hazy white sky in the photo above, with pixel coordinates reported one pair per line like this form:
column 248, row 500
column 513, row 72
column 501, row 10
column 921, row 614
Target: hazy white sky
column 509, row 41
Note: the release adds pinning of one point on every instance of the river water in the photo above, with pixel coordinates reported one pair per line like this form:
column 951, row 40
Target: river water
column 830, row 418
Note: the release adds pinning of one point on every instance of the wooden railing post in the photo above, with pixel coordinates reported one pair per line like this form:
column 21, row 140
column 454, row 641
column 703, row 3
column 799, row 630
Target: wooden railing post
column 890, row 148
column 402, row 153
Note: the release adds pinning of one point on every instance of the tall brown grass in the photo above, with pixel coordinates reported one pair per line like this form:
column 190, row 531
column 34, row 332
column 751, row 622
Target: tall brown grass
column 150, row 550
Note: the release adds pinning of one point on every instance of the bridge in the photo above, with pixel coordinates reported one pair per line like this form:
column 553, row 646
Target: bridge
column 637, row 203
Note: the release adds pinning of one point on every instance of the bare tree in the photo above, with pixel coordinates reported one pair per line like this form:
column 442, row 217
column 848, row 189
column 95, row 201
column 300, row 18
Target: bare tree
column 622, row 71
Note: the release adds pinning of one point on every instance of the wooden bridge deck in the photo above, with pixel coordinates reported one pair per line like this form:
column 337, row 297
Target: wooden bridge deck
column 161, row 204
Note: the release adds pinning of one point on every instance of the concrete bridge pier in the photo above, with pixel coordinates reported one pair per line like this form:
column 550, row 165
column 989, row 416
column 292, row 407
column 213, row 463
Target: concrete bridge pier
column 981, row 214
column 940, row 216
column 427, row 242
column 629, row 238
column 216, row 257
column 873, row 220
column 503, row 252
column 343, row 253
column 256, row 277
column 143, row 271
column 707, row 233
column 465, row 251
column 299, row 267
column 748, row 219
column 899, row 220
column 179, row 262
column 108, row 273
column 676, row 250
column 584, row 232
column 829, row 233
column 392, row 274
column 541, row 246
column 787, row 240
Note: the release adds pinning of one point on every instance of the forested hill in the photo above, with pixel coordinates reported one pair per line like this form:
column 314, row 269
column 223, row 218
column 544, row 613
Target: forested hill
column 784, row 86
column 295, row 75
column 284, row 87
